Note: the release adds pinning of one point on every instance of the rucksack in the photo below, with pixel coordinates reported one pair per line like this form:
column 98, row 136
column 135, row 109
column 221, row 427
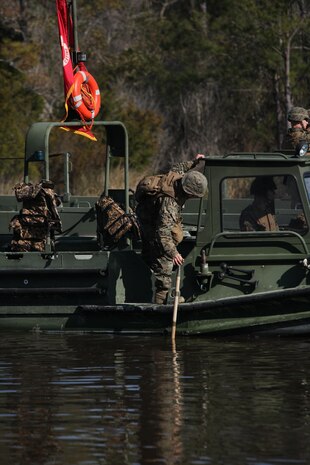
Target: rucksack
column 38, row 218
column 113, row 222
column 154, row 186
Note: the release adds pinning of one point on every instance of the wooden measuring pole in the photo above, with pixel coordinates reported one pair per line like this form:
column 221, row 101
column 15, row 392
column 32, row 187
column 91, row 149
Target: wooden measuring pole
column 176, row 303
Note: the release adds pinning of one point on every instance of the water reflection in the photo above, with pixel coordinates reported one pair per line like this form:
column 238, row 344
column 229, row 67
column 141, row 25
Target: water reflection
column 93, row 399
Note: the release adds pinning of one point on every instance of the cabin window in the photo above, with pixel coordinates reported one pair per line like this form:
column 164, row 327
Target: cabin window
column 246, row 206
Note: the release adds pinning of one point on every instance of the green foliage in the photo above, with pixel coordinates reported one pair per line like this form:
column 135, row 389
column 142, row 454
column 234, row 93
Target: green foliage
column 181, row 75
column 169, row 55
column 144, row 129
column 19, row 105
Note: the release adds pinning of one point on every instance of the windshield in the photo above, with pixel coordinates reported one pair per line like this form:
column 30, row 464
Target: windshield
column 262, row 203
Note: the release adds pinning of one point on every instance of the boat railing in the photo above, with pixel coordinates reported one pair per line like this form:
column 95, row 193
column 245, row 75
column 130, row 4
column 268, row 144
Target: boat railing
column 78, row 219
column 258, row 155
column 116, row 145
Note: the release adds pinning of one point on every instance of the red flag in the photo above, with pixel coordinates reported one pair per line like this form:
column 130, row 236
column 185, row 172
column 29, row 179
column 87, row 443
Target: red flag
column 65, row 27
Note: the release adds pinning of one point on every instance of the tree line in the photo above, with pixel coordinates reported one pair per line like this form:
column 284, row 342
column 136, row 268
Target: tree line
column 185, row 76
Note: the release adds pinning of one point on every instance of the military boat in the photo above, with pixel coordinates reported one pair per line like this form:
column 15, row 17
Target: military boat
column 233, row 281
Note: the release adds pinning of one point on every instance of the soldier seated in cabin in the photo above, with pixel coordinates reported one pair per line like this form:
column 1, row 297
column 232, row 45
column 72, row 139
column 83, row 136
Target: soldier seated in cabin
column 260, row 215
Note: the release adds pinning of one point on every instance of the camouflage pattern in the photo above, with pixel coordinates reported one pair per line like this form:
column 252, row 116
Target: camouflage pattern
column 26, row 191
column 184, row 166
column 23, row 245
column 295, row 136
column 161, row 233
column 29, row 232
column 254, row 219
column 161, row 226
column 38, row 218
column 195, row 183
column 297, row 114
column 113, row 223
column 28, row 226
column 157, row 185
column 52, row 202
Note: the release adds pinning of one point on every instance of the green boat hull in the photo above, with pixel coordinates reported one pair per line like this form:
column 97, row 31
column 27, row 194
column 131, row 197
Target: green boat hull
column 279, row 312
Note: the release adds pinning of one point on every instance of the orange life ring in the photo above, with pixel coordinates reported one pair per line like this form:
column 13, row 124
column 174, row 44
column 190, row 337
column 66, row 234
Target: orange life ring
column 86, row 95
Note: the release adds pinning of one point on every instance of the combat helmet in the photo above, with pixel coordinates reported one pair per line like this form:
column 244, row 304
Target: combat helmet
column 262, row 184
column 195, row 183
column 297, row 114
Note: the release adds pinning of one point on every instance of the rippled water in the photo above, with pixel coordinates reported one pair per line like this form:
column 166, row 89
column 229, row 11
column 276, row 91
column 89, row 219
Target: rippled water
column 90, row 399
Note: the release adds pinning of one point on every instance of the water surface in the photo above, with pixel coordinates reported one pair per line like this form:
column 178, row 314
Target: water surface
column 87, row 399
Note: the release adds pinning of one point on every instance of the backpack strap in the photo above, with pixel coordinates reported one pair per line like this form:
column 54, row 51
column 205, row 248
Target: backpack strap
column 167, row 183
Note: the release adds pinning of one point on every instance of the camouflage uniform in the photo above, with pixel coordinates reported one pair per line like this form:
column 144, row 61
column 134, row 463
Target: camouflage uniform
column 161, row 226
column 298, row 132
column 294, row 136
column 254, row 219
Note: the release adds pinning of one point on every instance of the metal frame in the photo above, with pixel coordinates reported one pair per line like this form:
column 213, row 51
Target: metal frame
column 37, row 148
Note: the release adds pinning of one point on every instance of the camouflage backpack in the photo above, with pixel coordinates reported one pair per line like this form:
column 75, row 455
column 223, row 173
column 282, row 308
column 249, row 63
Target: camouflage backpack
column 113, row 222
column 38, row 219
column 154, row 186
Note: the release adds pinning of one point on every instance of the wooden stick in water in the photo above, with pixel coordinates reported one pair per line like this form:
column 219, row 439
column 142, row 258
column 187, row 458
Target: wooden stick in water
column 176, row 303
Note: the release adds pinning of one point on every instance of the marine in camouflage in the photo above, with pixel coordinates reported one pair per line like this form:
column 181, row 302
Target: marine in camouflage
column 295, row 136
column 161, row 224
column 298, row 133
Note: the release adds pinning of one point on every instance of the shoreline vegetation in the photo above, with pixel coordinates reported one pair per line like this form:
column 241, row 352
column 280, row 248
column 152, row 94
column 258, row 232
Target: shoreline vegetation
column 184, row 77
column 83, row 186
